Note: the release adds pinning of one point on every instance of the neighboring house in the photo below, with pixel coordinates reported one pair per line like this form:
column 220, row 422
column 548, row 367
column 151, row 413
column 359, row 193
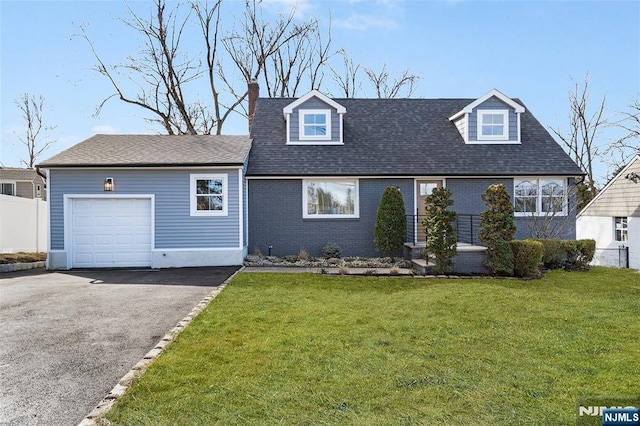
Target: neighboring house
column 318, row 167
column 148, row 201
column 26, row 183
column 23, row 210
column 612, row 218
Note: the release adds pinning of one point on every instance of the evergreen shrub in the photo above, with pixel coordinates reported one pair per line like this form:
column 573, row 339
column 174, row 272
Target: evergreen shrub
column 331, row 250
column 391, row 222
column 497, row 229
column 527, row 257
column 441, row 235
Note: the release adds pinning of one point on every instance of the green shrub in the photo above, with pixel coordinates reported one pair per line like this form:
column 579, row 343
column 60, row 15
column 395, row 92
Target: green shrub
column 570, row 248
column 587, row 251
column 331, row 250
column 527, row 257
column 568, row 254
column 390, row 230
column 497, row 229
column 554, row 256
column 441, row 235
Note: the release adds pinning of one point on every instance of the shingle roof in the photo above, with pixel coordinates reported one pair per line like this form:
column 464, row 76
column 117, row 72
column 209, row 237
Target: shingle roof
column 153, row 150
column 11, row 173
column 401, row 137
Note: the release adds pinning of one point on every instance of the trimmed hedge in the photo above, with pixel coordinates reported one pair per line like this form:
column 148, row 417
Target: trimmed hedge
column 554, row 257
column 571, row 255
column 527, row 257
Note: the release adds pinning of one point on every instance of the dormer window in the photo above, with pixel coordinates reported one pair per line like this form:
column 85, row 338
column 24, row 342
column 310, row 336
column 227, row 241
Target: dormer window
column 314, row 119
column 315, row 124
column 491, row 119
column 493, row 125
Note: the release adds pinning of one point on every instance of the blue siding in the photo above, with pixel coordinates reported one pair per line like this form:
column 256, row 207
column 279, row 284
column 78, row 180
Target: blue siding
column 294, row 121
column 467, row 193
column 174, row 227
column 467, row 197
column 493, row 103
column 275, row 218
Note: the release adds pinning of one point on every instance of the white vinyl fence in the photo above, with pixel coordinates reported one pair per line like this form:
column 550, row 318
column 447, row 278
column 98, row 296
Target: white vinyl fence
column 23, row 224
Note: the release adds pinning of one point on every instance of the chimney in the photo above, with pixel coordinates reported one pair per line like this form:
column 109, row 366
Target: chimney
column 253, row 91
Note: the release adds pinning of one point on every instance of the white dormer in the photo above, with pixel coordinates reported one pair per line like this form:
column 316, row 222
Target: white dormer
column 314, row 119
column 491, row 119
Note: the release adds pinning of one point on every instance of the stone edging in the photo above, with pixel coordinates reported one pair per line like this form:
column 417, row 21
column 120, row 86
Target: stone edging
column 96, row 416
column 13, row 267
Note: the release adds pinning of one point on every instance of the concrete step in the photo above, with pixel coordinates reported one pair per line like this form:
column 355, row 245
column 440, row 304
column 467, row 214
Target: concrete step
column 422, row 266
column 413, row 251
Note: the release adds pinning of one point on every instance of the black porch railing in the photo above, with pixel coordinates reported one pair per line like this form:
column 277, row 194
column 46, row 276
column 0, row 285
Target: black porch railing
column 467, row 227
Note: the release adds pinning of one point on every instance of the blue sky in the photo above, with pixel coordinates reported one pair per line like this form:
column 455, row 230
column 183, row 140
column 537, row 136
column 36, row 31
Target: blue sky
column 525, row 49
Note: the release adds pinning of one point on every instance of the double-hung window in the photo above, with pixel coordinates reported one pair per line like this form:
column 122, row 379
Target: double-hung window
column 621, row 229
column 315, row 124
column 540, row 197
column 330, row 198
column 493, row 125
column 208, row 195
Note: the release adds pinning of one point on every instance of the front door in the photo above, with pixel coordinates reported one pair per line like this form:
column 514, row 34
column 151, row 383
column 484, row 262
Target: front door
column 423, row 189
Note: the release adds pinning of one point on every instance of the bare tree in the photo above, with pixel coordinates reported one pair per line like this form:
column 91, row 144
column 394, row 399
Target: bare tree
column 391, row 89
column 160, row 72
column 277, row 52
column 628, row 145
column 36, row 137
column 581, row 138
column 285, row 55
column 556, row 220
column 347, row 76
column 209, row 20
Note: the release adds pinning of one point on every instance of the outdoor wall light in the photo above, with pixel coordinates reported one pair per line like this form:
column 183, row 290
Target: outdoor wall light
column 108, row 184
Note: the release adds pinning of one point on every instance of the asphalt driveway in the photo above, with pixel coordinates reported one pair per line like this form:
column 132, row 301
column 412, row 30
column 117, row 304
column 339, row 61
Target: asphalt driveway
column 68, row 337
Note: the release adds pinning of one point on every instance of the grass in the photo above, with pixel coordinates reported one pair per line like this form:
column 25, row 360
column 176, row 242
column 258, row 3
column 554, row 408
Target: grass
column 22, row 257
column 310, row 349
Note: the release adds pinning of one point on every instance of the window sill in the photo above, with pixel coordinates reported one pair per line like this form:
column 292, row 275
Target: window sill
column 539, row 215
column 314, row 142
column 331, row 218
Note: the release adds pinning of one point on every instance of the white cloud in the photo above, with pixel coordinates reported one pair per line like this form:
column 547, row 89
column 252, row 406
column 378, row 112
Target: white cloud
column 366, row 22
column 302, row 7
column 103, row 129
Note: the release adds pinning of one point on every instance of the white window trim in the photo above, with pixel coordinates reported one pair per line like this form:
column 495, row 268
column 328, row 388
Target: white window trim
column 539, row 212
column 301, row 125
column 356, row 200
column 625, row 228
column 13, row 184
column 505, row 115
column 193, row 206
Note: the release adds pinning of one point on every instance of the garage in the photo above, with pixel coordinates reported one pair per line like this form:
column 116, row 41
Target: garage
column 111, row 232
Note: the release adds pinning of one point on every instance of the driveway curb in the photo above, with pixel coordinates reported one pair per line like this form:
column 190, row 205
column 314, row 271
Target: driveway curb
column 13, row 267
column 96, row 416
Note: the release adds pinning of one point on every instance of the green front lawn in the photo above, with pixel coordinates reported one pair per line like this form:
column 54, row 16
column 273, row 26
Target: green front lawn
column 313, row 349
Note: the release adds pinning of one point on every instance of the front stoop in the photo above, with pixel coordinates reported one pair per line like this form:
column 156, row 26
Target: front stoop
column 413, row 251
column 469, row 259
column 422, row 266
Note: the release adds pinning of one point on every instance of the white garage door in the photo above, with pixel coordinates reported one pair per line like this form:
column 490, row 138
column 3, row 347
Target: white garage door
column 111, row 232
